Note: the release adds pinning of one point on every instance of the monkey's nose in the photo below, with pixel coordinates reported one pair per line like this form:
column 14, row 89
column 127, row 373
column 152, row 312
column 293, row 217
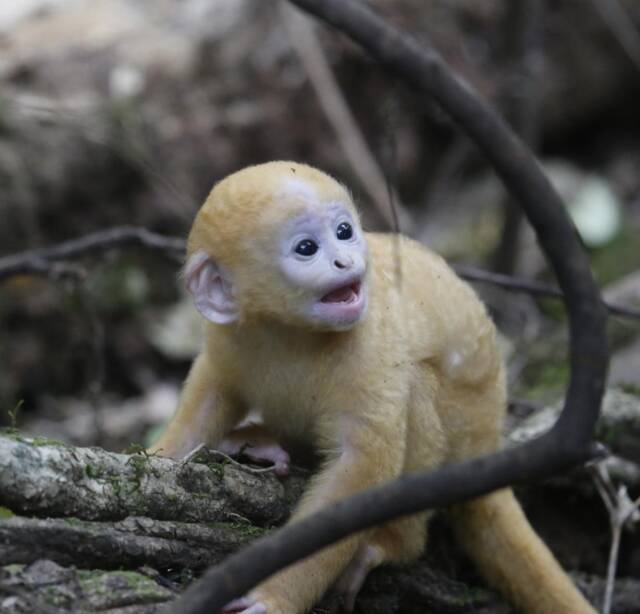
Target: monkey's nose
column 343, row 262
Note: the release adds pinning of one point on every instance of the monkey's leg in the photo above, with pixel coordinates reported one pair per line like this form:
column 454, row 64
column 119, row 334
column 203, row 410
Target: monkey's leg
column 204, row 415
column 398, row 542
column 370, row 455
column 497, row 535
column 401, row 541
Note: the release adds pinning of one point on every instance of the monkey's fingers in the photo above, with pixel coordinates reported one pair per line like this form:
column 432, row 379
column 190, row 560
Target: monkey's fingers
column 267, row 451
column 244, row 605
column 270, row 453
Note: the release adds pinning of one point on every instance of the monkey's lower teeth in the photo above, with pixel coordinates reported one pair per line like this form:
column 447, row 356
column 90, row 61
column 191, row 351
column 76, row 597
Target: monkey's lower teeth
column 341, row 295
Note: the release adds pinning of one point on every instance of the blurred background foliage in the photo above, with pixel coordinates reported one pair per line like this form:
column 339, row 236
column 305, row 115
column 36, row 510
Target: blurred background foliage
column 118, row 112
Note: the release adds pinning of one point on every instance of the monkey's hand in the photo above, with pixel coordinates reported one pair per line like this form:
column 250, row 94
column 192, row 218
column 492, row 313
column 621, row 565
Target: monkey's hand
column 258, row 445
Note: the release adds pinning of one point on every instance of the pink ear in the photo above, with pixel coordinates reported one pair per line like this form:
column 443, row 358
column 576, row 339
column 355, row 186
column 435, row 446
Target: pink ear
column 211, row 289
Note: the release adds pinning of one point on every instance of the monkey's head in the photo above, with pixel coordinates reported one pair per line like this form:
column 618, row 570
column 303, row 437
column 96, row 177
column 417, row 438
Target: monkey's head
column 281, row 241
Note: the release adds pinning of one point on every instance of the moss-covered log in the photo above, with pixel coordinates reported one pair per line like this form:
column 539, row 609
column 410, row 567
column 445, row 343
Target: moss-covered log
column 127, row 544
column 45, row 478
column 51, row 589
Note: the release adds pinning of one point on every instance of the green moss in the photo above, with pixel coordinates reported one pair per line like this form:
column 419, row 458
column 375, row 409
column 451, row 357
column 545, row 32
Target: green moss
column 56, row 596
column 141, row 466
column 123, row 485
column 134, row 448
column 92, row 471
column 5, row 512
column 217, row 468
column 15, row 435
column 45, row 441
column 11, row 433
column 131, row 578
column 90, row 574
column 102, row 584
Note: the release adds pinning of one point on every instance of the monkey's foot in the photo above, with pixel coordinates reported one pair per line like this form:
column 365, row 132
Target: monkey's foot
column 258, row 446
column 352, row 578
column 244, row 605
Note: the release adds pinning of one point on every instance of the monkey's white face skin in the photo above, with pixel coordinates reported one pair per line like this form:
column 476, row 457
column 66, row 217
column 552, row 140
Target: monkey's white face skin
column 323, row 253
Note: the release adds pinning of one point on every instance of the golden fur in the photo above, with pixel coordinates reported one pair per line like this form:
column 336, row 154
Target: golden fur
column 418, row 382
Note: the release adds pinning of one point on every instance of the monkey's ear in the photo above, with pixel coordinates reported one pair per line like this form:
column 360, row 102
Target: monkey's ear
column 211, row 289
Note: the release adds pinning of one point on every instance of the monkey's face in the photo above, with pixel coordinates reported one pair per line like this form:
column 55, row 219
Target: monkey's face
column 323, row 259
column 282, row 241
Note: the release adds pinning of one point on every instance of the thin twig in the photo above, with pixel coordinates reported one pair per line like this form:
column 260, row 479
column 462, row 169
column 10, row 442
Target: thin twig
column 303, row 37
column 52, row 262
column 202, row 454
column 534, row 288
column 525, row 51
column 622, row 511
column 46, row 260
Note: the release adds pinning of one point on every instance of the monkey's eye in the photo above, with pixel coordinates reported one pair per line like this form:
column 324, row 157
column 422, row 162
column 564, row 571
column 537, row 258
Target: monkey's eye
column 306, row 247
column 344, row 231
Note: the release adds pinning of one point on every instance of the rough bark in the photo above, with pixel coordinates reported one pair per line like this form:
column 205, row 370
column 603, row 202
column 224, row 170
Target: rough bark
column 46, row 587
column 41, row 477
column 127, row 544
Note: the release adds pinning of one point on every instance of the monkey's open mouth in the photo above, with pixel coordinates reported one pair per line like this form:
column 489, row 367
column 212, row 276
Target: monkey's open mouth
column 342, row 305
column 344, row 294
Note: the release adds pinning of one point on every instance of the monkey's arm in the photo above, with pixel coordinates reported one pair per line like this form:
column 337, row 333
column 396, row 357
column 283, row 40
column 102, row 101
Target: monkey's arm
column 371, row 453
column 205, row 414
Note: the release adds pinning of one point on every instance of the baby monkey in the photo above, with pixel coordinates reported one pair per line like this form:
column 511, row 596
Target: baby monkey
column 365, row 347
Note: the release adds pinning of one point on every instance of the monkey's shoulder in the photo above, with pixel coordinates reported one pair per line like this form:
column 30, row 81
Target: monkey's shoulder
column 421, row 277
column 437, row 315
column 393, row 253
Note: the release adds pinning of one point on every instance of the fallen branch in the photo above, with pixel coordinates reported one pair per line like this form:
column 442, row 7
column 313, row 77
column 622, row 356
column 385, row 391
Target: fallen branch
column 167, row 544
column 128, row 544
column 49, row 479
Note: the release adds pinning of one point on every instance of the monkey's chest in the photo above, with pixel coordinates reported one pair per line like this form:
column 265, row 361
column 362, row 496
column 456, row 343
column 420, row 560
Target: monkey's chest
column 289, row 399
